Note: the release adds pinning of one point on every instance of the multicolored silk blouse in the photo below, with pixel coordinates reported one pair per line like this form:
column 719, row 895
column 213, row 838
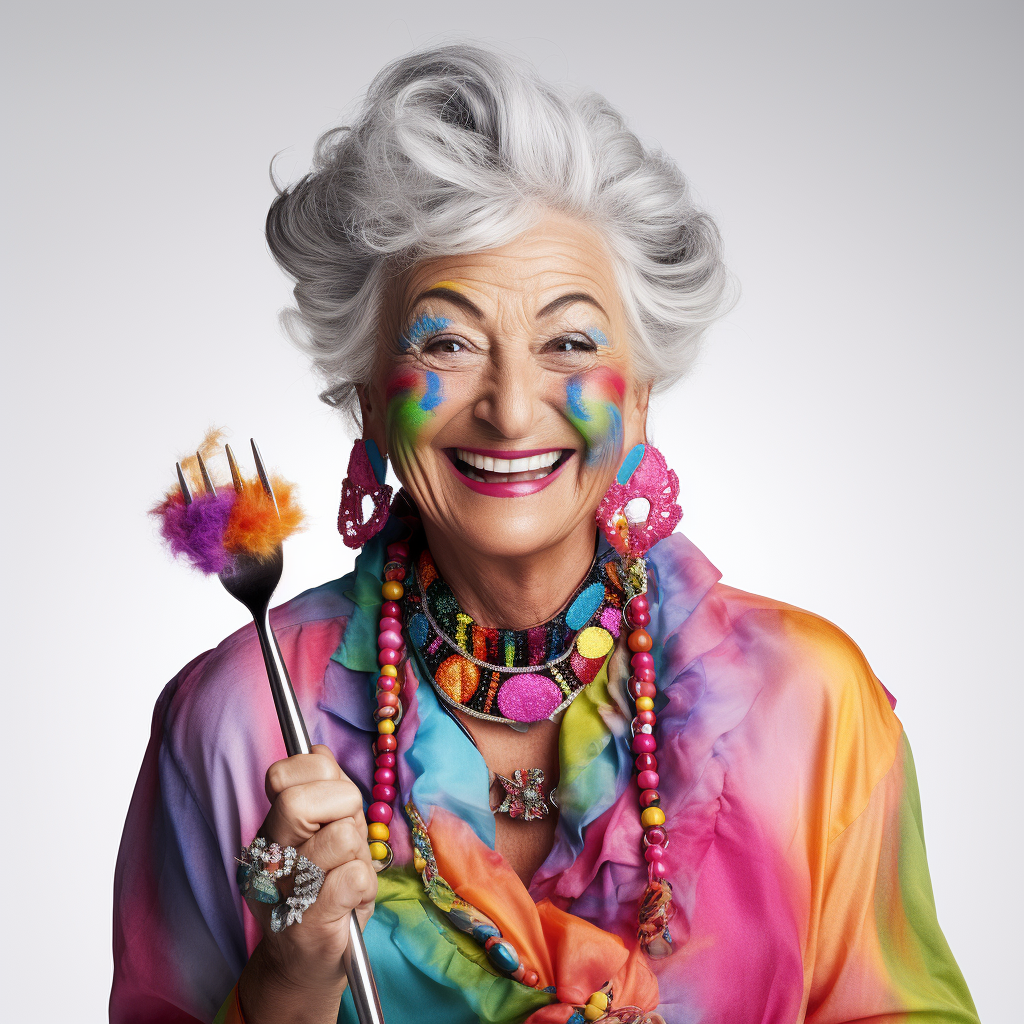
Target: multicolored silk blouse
column 796, row 848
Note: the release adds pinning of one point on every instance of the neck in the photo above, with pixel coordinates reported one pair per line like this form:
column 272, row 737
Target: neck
column 518, row 591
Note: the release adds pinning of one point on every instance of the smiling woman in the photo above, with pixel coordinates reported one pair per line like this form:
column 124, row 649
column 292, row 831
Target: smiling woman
column 562, row 773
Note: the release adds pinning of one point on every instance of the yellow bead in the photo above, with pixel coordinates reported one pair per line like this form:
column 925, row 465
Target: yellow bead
column 378, row 851
column 392, row 590
column 385, row 725
column 591, row 1012
column 600, row 1000
column 652, row 816
column 378, row 830
column 419, row 864
column 645, row 703
column 389, row 670
column 594, row 642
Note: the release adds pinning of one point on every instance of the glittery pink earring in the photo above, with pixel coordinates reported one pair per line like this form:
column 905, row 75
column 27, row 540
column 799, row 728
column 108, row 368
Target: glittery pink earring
column 365, row 478
column 640, row 508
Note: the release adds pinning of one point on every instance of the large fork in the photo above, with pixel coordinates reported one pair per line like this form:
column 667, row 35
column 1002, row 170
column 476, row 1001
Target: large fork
column 252, row 581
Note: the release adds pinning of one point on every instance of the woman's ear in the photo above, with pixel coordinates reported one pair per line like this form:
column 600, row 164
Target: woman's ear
column 371, row 412
column 636, row 415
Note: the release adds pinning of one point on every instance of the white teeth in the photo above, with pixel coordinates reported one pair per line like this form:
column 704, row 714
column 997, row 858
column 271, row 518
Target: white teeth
column 493, row 465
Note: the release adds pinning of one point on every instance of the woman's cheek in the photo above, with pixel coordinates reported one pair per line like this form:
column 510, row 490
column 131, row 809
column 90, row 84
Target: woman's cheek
column 412, row 397
column 593, row 404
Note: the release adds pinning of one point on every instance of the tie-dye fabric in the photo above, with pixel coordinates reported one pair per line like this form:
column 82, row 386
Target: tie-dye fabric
column 796, row 847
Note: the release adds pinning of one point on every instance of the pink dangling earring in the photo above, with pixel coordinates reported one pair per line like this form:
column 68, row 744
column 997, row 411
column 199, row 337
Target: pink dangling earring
column 640, row 508
column 366, row 472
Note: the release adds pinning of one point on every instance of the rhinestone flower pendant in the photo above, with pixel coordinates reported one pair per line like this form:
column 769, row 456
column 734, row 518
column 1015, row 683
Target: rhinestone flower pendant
column 525, row 795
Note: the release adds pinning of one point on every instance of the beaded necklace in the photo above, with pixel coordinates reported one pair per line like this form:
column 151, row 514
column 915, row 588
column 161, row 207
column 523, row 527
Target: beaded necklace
column 626, row 579
column 510, row 675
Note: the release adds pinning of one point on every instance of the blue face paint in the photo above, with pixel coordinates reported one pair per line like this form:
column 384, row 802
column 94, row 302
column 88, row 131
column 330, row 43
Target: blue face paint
column 433, row 396
column 421, row 328
column 598, row 337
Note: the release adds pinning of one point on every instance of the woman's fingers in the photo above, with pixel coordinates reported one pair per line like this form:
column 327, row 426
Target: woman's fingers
column 298, row 811
column 319, row 766
column 352, row 886
column 336, row 844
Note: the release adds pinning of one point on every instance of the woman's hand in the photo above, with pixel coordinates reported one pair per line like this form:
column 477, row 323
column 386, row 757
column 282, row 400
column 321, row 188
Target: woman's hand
column 297, row 974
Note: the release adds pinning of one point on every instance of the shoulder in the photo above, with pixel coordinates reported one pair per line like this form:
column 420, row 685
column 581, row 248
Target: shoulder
column 808, row 688
column 221, row 701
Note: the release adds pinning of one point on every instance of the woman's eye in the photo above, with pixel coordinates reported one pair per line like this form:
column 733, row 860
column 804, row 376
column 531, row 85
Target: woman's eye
column 445, row 345
column 572, row 343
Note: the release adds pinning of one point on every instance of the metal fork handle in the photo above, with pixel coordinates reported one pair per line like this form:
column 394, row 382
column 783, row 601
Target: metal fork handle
column 361, row 982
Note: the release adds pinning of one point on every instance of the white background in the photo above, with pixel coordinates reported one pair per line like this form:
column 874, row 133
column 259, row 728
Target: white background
column 849, row 444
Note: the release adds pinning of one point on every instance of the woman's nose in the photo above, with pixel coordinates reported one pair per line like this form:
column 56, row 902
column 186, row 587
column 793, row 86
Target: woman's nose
column 511, row 398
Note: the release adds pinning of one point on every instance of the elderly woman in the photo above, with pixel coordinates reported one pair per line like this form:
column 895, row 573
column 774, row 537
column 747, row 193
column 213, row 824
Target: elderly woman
column 561, row 773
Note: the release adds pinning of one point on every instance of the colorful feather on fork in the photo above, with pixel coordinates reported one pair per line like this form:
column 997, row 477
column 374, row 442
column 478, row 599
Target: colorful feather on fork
column 224, row 520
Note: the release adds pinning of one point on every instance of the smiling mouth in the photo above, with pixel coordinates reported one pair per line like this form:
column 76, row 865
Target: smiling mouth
column 524, row 467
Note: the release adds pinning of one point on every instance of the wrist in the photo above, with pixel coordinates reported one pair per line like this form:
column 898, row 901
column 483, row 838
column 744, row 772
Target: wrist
column 268, row 993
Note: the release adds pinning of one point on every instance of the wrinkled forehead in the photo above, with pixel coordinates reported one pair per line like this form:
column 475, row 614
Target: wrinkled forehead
column 557, row 258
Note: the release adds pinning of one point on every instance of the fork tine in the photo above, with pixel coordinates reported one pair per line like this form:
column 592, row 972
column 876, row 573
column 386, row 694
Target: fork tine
column 236, row 477
column 207, row 482
column 186, row 491
column 264, row 479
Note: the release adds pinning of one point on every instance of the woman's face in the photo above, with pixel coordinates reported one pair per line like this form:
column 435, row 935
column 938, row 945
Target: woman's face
column 507, row 396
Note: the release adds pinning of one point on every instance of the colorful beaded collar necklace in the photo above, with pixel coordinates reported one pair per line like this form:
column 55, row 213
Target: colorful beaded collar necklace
column 508, row 675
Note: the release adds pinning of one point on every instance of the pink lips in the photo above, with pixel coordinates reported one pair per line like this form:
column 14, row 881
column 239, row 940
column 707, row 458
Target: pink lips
column 514, row 490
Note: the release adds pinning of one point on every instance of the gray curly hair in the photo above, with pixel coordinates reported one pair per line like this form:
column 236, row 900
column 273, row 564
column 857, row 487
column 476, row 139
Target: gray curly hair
column 458, row 149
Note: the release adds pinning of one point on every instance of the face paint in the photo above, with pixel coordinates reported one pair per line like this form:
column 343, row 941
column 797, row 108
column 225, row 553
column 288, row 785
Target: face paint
column 412, row 396
column 598, row 337
column 420, row 329
column 593, row 402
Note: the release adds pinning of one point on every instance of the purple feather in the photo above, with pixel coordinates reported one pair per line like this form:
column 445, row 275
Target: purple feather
column 197, row 530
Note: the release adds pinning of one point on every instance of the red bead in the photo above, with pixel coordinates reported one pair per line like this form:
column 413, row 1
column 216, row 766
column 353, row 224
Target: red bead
column 491, row 940
column 644, row 743
column 380, row 812
column 645, row 675
column 639, row 603
column 385, row 712
column 640, row 640
column 647, row 689
column 657, row 868
column 389, row 638
column 638, row 727
column 646, row 763
column 641, row 660
column 395, row 574
column 646, row 717
column 386, row 794
column 530, row 979
column 656, row 835
column 387, row 622
column 389, row 656
column 384, row 777
column 387, row 700
column 391, row 610
column 653, row 853
column 387, row 742
column 632, row 686
column 385, row 760
column 648, row 780
column 399, row 551
column 638, row 619
column 648, row 797
column 385, row 683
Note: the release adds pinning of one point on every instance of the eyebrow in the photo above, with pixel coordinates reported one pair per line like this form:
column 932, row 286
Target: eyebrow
column 458, row 299
column 567, row 300
column 449, row 294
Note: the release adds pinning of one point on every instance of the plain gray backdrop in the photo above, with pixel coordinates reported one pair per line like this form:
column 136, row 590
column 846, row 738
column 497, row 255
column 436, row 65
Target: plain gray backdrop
column 849, row 442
